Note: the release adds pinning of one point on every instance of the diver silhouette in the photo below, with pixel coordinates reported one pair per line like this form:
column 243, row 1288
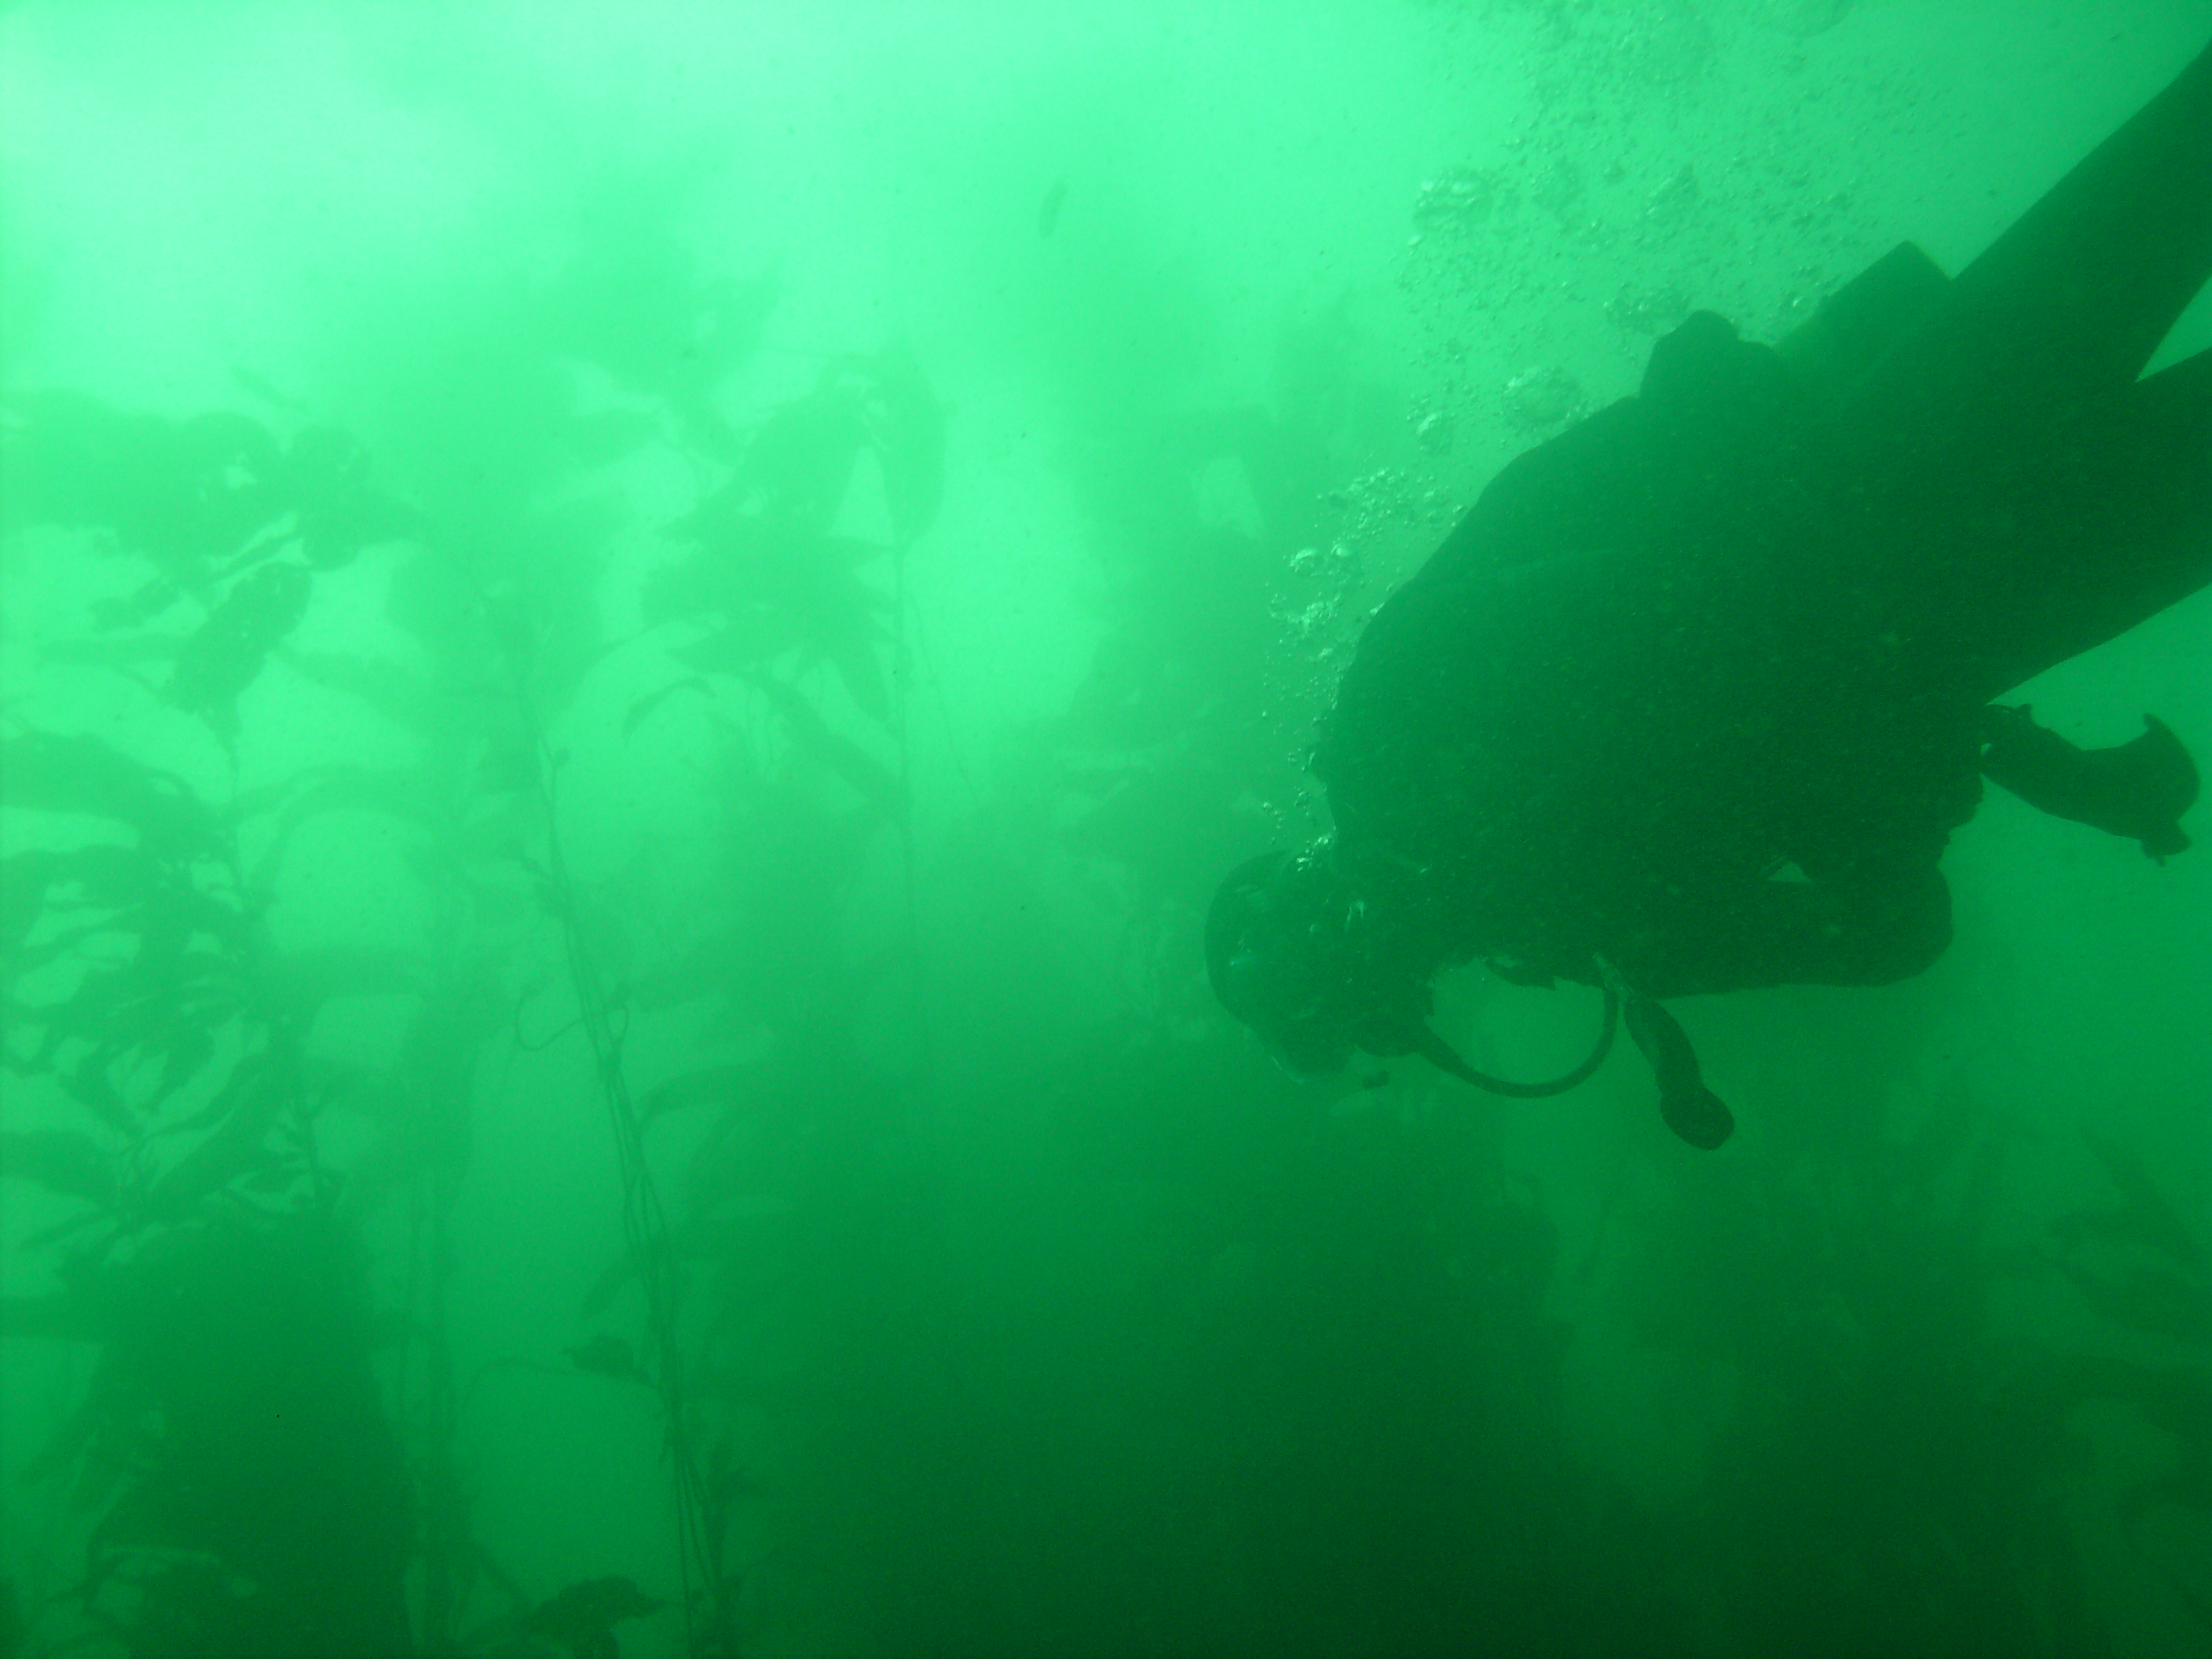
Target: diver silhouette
column 1691, row 700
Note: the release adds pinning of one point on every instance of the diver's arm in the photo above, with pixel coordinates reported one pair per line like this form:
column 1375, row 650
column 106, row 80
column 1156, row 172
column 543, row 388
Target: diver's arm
column 2138, row 790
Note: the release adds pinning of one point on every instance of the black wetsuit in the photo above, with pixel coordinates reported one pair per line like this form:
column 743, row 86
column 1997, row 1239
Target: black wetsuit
column 1612, row 706
column 1701, row 687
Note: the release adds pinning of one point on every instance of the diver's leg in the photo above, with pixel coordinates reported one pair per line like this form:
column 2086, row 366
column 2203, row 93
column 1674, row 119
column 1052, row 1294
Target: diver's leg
column 2079, row 290
column 1878, row 925
column 2087, row 283
column 1880, row 922
column 2076, row 294
column 2108, row 524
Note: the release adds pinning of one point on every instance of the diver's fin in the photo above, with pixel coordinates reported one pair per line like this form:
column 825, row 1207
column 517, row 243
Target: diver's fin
column 2138, row 789
column 2103, row 531
column 2073, row 297
column 1854, row 327
column 1692, row 1111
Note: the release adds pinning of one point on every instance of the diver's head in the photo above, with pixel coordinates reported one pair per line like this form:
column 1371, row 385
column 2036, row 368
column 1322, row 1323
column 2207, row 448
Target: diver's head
column 1291, row 953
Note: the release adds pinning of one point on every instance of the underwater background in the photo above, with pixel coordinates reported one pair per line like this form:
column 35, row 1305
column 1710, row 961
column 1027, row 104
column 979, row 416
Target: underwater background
column 633, row 637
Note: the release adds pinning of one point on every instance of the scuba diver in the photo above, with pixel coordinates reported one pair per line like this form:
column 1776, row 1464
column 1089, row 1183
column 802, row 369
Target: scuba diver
column 1691, row 700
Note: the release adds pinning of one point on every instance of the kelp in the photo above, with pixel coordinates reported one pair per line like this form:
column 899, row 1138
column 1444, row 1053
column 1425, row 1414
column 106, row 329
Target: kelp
column 256, row 1500
column 200, row 1185
column 184, row 494
column 218, row 505
column 226, row 652
column 1233, row 552
column 195, row 1251
column 193, row 495
column 153, row 925
column 1858, row 1306
column 63, row 772
column 141, row 983
column 582, row 1618
column 63, row 1162
column 2139, row 1266
column 766, row 575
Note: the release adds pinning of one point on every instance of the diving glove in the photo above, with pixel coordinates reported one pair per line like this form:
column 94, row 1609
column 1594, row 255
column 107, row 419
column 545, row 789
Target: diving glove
column 2139, row 789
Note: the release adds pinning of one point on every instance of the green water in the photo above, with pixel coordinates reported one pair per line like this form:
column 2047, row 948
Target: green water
column 632, row 637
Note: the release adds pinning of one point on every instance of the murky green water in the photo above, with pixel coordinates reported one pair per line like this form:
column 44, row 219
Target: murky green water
column 633, row 639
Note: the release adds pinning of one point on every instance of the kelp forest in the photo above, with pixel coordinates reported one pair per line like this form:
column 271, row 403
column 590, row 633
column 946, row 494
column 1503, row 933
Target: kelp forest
column 634, row 640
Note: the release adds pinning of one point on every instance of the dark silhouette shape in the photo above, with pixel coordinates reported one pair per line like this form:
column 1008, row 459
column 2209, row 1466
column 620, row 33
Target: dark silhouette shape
column 1747, row 625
